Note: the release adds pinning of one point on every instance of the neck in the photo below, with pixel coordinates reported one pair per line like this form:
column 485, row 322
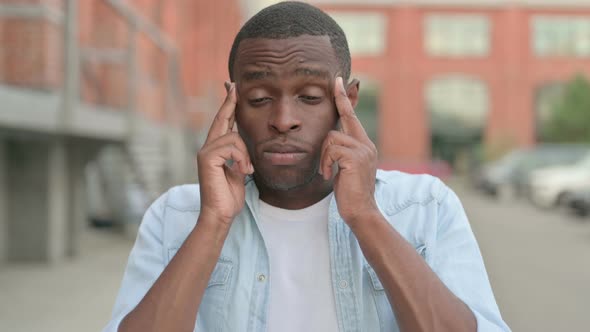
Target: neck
column 296, row 198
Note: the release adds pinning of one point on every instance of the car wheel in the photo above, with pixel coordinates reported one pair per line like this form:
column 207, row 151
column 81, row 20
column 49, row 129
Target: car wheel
column 562, row 199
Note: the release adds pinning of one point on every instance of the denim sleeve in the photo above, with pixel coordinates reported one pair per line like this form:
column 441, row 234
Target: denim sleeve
column 144, row 266
column 459, row 264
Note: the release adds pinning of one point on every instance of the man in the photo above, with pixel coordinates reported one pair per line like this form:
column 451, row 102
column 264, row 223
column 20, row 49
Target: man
column 292, row 227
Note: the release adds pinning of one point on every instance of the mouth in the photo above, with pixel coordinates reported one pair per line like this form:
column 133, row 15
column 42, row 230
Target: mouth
column 283, row 154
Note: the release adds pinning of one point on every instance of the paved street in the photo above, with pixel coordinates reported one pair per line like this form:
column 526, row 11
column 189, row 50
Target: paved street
column 72, row 296
column 538, row 262
column 539, row 266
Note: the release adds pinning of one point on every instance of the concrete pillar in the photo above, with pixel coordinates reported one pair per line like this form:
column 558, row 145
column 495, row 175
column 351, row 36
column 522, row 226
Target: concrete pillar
column 39, row 207
column 3, row 205
column 57, row 196
column 27, row 164
column 77, row 208
column 71, row 87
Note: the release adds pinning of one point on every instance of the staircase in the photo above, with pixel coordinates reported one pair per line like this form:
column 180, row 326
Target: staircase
column 148, row 153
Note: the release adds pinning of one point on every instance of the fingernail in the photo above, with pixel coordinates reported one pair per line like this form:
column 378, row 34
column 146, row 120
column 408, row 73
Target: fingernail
column 251, row 169
column 227, row 86
column 232, row 87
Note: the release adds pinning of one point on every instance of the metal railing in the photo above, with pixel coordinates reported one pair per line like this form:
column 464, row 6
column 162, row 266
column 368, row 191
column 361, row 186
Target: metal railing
column 140, row 28
column 121, row 62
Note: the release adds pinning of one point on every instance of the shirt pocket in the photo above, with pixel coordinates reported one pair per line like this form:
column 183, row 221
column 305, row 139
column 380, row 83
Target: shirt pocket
column 214, row 303
column 387, row 320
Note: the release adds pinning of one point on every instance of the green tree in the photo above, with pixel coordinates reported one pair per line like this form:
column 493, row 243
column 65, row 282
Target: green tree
column 570, row 115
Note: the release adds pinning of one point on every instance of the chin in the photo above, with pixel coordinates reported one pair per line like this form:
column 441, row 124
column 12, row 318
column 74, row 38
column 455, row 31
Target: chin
column 287, row 179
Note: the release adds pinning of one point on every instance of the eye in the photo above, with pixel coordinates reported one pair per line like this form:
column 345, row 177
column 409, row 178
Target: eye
column 258, row 101
column 311, row 99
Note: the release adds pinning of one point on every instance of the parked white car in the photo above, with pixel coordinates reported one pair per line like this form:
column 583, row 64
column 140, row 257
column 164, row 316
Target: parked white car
column 551, row 186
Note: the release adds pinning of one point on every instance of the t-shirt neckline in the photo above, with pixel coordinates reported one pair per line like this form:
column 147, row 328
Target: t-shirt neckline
column 318, row 209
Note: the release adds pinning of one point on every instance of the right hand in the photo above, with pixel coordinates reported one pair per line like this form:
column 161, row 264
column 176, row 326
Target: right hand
column 222, row 187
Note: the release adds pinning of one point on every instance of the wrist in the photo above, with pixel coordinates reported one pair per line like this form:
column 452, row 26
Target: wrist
column 214, row 221
column 364, row 218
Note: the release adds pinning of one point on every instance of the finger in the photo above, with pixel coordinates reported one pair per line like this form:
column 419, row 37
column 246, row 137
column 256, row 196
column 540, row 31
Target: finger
column 230, row 138
column 233, row 116
column 350, row 123
column 222, row 154
column 335, row 137
column 223, row 121
column 236, row 173
column 234, row 139
column 339, row 138
column 333, row 154
column 232, row 121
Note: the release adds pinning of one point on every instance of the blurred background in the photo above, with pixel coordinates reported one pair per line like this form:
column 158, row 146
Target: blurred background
column 103, row 104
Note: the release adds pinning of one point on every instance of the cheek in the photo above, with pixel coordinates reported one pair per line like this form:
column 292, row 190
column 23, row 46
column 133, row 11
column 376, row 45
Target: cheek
column 245, row 118
column 328, row 119
column 322, row 124
column 248, row 140
column 249, row 130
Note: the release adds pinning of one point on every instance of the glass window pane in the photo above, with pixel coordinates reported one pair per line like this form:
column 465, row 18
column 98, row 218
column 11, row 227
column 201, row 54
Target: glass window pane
column 561, row 36
column 457, row 35
column 462, row 99
column 365, row 31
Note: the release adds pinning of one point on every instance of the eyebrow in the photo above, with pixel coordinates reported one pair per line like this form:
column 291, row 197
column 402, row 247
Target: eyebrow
column 305, row 71
column 256, row 75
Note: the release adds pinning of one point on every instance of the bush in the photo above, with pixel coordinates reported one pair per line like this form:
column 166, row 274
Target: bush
column 570, row 115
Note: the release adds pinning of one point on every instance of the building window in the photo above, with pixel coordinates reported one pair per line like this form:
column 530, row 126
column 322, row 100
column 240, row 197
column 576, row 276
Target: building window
column 365, row 32
column 457, row 35
column 458, row 107
column 561, row 36
column 457, row 103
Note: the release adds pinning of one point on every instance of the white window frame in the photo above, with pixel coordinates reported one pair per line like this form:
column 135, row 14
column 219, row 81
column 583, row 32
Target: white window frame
column 575, row 31
column 454, row 43
column 366, row 32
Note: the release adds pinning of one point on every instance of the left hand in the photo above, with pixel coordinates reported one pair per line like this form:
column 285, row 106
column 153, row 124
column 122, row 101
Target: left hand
column 356, row 157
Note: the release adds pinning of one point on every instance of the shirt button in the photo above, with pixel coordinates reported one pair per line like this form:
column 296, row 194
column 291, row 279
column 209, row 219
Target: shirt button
column 343, row 284
column 261, row 277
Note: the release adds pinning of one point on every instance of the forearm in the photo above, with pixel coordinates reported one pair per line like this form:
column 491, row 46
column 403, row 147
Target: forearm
column 173, row 301
column 420, row 300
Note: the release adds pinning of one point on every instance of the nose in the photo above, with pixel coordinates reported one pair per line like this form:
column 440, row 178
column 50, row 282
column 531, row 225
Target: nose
column 285, row 118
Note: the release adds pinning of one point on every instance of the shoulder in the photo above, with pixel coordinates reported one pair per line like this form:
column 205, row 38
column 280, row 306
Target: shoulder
column 182, row 198
column 397, row 190
column 174, row 214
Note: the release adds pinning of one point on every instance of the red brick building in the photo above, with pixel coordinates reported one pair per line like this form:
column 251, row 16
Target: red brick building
column 196, row 35
column 136, row 78
column 498, row 55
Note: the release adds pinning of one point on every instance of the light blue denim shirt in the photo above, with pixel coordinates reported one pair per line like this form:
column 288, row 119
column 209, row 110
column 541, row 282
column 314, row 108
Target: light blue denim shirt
column 420, row 207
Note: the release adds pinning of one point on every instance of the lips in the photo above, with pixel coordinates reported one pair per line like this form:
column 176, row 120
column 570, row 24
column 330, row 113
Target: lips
column 283, row 154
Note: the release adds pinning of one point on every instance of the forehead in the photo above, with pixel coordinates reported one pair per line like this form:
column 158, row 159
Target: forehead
column 277, row 54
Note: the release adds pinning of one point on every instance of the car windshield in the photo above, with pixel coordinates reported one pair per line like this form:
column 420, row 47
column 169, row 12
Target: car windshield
column 551, row 156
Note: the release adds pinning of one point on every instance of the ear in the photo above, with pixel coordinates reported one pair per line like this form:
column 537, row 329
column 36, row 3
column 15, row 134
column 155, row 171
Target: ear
column 352, row 90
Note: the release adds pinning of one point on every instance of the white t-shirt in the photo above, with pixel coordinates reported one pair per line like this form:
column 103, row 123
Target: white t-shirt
column 301, row 294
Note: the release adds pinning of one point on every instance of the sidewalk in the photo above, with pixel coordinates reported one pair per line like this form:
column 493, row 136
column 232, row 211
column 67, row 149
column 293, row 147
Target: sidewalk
column 75, row 295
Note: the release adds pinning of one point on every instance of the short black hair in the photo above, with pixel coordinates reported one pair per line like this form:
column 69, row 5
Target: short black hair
column 292, row 19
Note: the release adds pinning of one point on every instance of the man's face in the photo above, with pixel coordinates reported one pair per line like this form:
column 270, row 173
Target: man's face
column 285, row 106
